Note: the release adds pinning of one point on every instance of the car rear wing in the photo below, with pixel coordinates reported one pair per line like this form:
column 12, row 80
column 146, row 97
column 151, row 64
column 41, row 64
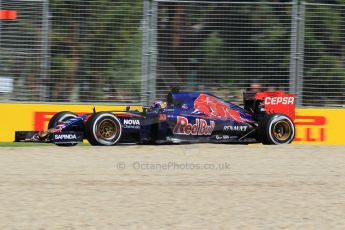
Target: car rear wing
column 269, row 102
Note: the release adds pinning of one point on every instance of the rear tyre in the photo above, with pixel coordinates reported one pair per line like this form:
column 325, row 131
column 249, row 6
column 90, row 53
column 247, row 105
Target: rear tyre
column 58, row 118
column 103, row 129
column 276, row 129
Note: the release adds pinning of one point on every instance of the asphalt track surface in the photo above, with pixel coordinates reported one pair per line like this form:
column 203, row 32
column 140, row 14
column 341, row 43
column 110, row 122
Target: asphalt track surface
column 203, row 186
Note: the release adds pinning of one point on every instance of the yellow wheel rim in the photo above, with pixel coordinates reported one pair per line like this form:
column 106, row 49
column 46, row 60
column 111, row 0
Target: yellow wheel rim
column 282, row 130
column 107, row 129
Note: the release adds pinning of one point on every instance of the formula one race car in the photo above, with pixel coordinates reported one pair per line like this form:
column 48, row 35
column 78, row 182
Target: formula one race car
column 186, row 117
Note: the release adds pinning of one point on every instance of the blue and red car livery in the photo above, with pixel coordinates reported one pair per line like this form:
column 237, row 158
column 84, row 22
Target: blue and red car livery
column 266, row 117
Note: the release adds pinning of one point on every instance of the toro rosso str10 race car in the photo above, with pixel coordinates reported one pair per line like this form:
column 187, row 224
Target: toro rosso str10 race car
column 185, row 117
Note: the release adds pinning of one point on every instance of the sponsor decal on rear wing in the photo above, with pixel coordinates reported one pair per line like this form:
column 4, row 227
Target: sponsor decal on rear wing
column 278, row 102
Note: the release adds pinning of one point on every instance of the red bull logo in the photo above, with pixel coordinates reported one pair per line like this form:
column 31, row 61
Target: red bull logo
column 199, row 128
column 215, row 108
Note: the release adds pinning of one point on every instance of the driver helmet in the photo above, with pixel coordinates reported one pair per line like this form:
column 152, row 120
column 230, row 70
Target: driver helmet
column 158, row 104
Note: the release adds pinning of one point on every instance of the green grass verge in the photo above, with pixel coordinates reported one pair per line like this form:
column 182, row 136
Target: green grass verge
column 25, row 144
column 20, row 144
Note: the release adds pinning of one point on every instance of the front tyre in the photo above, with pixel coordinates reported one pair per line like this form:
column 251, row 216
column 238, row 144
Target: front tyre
column 276, row 129
column 60, row 117
column 103, row 129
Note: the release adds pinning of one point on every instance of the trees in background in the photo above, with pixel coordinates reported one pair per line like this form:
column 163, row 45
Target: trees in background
column 324, row 54
column 223, row 45
column 226, row 45
column 96, row 45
